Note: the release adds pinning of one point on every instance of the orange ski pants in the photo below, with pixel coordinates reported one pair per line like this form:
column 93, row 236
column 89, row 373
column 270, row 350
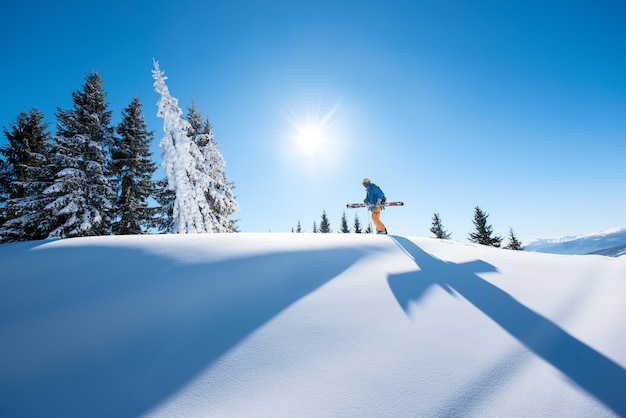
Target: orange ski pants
column 376, row 219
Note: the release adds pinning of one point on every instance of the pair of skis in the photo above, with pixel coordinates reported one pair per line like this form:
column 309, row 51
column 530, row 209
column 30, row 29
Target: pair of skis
column 363, row 205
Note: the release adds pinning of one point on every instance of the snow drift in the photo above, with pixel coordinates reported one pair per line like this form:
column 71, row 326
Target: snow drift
column 307, row 325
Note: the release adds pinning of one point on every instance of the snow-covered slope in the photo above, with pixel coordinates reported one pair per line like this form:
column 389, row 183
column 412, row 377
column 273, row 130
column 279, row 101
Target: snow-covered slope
column 307, row 325
column 610, row 242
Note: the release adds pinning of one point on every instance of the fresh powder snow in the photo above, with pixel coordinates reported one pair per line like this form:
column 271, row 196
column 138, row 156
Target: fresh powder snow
column 307, row 325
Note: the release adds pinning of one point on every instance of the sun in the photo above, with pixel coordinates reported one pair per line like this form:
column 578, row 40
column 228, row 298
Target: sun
column 310, row 137
column 314, row 135
column 313, row 129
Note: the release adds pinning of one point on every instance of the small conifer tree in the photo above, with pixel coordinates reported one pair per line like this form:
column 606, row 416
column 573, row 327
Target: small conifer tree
column 344, row 224
column 357, row 225
column 437, row 228
column 484, row 231
column 325, row 224
column 514, row 243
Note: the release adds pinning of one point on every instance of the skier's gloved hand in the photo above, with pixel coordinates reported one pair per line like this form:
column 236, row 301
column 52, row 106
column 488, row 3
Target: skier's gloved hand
column 378, row 202
column 365, row 201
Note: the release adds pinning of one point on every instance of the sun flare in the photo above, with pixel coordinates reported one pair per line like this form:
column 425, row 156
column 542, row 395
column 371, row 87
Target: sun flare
column 310, row 138
column 313, row 129
column 314, row 136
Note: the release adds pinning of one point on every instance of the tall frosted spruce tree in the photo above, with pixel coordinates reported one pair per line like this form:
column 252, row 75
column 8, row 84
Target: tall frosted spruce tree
column 191, row 171
column 82, row 196
column 220, row 196
column 23, row 177
column 132, row 169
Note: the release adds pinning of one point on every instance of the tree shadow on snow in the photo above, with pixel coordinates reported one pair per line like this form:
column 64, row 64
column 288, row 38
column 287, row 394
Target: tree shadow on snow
column 121, row 331
column 598, row 375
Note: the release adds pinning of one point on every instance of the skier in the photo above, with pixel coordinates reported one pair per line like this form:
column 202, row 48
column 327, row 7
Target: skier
column 374, row 199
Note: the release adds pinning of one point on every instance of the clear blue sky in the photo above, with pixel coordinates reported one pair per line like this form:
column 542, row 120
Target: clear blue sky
column 516, row 107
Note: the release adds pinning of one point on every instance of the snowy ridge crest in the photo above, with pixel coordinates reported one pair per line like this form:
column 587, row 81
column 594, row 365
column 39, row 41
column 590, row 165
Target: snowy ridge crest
column 307, row 325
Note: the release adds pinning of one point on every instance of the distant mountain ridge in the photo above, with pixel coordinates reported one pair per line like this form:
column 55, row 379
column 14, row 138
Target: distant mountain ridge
column 613, row 251
column 610, row 243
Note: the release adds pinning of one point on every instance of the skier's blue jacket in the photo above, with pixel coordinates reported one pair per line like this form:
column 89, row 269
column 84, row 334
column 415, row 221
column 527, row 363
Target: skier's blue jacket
column 373, row 194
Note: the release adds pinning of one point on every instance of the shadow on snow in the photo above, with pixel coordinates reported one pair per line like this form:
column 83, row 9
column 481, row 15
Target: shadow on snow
column 136, row 328
column 598, row 375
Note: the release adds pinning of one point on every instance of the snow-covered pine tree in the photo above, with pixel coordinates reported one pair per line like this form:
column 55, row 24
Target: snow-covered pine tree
column 437, row 228
column 23, row 178
column 6, row 176
column 484, row 231
column 514, row 243
column 185, row 166
column 220, row 194
column 82, row 193
column 344, row 224
column 132, row 169
column 164, row 214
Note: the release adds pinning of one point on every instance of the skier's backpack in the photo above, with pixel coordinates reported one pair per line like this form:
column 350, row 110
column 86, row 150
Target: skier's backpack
column 384, row 199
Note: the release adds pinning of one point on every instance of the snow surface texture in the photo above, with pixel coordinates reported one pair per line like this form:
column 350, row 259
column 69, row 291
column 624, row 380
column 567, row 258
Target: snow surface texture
column 307, row 325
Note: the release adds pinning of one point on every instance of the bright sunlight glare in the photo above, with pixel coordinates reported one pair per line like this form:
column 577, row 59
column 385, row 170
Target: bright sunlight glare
column 313, row 129
column 315, row 135
column 310, row 138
